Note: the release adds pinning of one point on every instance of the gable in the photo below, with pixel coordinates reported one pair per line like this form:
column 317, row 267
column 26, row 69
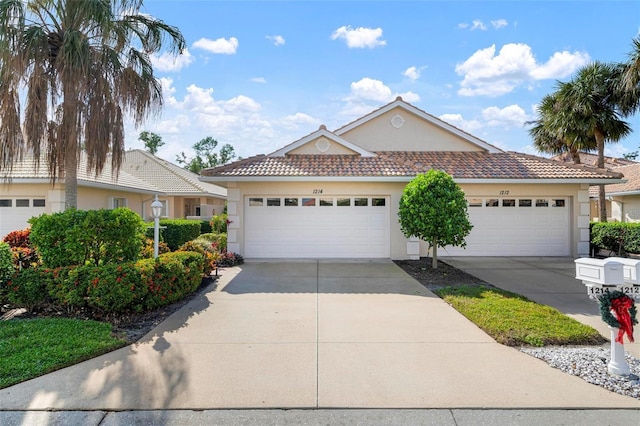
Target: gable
column 400, row 130
column 322, row 145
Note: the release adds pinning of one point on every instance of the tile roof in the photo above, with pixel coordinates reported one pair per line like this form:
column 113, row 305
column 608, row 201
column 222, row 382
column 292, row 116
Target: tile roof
column 461, row 165
column 631, row 175
column 167, row 177
column 590, row 159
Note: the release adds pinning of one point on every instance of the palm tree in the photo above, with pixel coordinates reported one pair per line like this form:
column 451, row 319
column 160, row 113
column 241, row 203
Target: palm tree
column 81, row 66
column 583, row 113
column 629, row 84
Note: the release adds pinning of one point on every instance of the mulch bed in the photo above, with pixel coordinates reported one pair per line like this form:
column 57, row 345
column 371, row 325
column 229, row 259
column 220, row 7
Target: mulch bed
column 444, row 276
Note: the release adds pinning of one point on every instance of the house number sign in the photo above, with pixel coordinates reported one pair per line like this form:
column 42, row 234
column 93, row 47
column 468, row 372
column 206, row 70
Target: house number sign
column 504, row 192
column 317, row 191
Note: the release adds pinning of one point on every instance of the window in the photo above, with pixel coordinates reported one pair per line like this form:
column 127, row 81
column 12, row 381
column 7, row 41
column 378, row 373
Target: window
column 343, row 202
column 524, row 203
column 360, row 202
column 290, row 201
column 306, row 202
column 118, row 202
column 542, row 202
column 508, row 203
column 255, row 202
column 273, row 202
column 326, row 202
column 378, row 202
column 475, row 202
column 6, row 203
column 558, row 203
column 492, row 202
column 38, row 202
column 22, row 203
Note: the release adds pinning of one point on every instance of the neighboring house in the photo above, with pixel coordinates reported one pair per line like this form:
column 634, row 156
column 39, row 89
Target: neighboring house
column 336, row 194
column 622, row 199
column 142, row 176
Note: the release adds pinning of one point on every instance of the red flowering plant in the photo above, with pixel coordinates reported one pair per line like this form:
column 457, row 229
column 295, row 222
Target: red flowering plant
column 23, row 253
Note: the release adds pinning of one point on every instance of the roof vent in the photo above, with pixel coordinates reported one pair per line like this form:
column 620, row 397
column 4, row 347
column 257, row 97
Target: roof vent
column 322, row 127
column 398, row 98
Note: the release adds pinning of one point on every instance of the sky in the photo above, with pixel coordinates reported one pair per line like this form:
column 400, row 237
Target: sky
column 260, row 75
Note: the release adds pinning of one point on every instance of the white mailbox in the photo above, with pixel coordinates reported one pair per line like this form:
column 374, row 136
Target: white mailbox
column 599, row 271
column 631, row 269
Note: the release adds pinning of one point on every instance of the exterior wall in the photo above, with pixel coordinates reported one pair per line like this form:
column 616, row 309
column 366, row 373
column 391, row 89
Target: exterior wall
column 578, row 203
column 414, row 134
column 33, row 190
column 334, row 148
column 95, row 198
column 626, row 208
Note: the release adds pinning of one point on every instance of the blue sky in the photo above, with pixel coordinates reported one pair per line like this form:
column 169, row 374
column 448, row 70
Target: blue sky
column 259, row 75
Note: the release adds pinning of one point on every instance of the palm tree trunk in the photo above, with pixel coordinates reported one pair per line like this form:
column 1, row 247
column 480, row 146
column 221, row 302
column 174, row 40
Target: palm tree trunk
column 602, row 206
column 575, row 155
column 71, row 181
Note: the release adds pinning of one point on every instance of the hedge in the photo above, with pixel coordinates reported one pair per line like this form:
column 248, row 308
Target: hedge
column 109, row 289
column 176, row 232
column 616, row 237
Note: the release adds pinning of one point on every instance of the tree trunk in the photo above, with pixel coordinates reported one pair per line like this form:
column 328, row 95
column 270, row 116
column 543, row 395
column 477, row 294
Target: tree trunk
column 434, row 263
column 575, row 155
column 602, row 202
column 70, row 181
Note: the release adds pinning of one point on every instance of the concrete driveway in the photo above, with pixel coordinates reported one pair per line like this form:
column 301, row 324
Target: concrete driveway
column 547, row 280
column 312, row 334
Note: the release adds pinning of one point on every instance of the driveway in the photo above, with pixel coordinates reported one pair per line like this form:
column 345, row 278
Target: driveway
column 312, row 334
column 547, row 280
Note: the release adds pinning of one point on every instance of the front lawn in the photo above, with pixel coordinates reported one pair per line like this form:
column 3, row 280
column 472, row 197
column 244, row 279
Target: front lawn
column 514, row 320
column 32, row 347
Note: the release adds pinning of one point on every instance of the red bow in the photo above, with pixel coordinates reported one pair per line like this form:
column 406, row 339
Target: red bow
column 620, row 307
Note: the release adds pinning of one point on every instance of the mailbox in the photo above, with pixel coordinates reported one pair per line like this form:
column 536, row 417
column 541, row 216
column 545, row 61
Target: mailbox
column 599, row 271
column 631, row 269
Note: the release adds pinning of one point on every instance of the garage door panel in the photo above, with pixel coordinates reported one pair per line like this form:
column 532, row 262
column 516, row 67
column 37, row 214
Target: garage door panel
column 317, row 231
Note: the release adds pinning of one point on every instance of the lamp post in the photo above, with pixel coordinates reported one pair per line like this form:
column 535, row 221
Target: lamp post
column 156, row 211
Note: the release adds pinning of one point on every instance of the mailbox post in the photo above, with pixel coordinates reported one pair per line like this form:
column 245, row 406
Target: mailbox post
column 602, row 276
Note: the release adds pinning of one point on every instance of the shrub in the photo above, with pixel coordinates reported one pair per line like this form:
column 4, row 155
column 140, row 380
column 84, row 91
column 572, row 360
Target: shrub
column 230, row 259
column 205, row 226
column 6, row 263
column 67, row 287
column 24, row 255
column 77, row 237
column 179, row 231
column 115, row 288
column 616, row 237
column 209, row 254
column 28, row 288
column 218, row 241
column 219, row 223
column 147, row 250
column 18, row 238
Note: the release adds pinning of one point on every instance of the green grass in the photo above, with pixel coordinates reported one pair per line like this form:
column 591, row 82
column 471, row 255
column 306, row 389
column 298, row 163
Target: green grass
column 32, row 347
column 514, row 320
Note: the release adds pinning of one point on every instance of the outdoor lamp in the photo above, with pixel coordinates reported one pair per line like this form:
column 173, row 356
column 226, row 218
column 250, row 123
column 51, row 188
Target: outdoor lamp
column 156, row 211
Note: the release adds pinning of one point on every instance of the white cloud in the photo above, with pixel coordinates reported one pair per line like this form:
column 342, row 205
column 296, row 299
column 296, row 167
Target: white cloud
column 359, row 37
column 499, row 23
column 458, row 121
column 168, row 62
column 488, row 74
column 168, row 91
column 219, row 46
column 299, row 120
column 258, row 80
column 509, row 116
column 463, row 25
column 478, row 25
column 277, row 40
column 412, row 73
column 369, row 89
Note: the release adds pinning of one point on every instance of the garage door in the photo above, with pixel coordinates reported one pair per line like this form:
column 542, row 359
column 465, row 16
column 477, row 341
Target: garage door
column 317, row 227
column 14, row 213
column 536, row 226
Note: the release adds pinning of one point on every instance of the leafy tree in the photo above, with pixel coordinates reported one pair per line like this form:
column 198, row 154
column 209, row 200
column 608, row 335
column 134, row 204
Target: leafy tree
column 82, row 65
column 151, row 141
column 433, row 208
column 206, row 156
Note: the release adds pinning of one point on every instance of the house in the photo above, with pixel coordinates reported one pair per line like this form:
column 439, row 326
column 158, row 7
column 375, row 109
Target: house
column 622, row 199
column 335, row 194
column 142, row 176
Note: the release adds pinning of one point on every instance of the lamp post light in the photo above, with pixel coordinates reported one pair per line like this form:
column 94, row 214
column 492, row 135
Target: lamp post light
column 156, row 211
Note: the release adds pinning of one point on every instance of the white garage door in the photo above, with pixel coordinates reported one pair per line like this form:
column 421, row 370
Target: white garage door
column 317, row 227
column 14, row 213
column 535, row 226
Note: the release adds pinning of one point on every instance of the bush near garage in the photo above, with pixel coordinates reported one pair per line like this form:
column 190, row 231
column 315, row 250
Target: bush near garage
column 108, row 289
column 618, row 238
column 6, row 269
column 79, row 237
column 24, row 254
column 219, row 223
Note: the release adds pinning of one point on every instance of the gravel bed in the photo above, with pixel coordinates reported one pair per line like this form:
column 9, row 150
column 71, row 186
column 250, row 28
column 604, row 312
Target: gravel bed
column 590, row 364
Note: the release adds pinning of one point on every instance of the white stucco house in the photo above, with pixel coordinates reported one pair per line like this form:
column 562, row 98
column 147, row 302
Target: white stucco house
column 142, row 175
column 336, row 193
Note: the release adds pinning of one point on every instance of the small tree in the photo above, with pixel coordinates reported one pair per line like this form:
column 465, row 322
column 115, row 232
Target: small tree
column 151, row 141
column 206, row 155
column 433, row 208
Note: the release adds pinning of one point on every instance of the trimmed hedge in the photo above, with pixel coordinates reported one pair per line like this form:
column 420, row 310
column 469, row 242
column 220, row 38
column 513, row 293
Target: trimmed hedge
column 108, row 289
column 176, row 232
column 78, row 237
column 616, row 237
